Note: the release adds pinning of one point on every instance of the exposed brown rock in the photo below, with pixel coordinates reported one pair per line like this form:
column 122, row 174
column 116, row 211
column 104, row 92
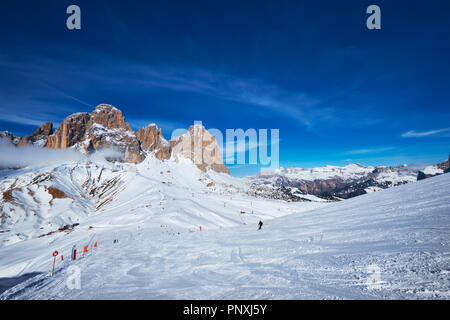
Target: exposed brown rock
column 109, row 117
column 319, row 186
column 7, row 196
column 104, row 128
column 444, row 165
column 107, row 129
column 70, row 132
column 201, row 147
column 56, row 193
column 152, row 140
column 45, row 129
column 39, row 137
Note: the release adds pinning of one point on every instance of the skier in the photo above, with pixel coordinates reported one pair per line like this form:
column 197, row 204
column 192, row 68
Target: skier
column 260, row 224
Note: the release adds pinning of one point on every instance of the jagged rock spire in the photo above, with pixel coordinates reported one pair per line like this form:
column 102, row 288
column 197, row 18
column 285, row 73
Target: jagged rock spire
column 106, row 128
column 151, row 140
column 201, row 147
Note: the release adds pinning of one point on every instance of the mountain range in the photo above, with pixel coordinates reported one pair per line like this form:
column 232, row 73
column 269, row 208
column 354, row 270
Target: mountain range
column 105, row 128
column 334, row 183
column 170, row 221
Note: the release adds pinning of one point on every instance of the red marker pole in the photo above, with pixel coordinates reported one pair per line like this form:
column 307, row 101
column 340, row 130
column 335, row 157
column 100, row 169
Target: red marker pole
column 74, row 253
column 54, row 260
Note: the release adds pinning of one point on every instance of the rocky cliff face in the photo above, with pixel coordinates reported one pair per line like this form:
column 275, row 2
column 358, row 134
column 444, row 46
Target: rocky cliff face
column 39, row 137
column 109, row 117
column 333, row 182
column 201, row 147
column 152, row 140
column 71, row 132
column 106, row 128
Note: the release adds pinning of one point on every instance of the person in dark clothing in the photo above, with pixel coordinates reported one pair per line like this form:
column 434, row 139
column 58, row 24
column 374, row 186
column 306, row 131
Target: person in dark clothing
column 260, row 224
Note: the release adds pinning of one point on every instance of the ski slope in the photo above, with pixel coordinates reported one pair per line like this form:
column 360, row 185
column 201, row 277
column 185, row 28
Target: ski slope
column 392, row 244
column 162, row 198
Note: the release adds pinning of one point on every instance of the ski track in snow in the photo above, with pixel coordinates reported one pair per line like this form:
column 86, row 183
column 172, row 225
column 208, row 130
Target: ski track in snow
column 305, row 250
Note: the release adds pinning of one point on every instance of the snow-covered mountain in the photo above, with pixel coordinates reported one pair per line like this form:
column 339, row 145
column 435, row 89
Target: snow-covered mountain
column 331, row 182
column 51, row 182
column 40, row 200
column 392, row 244
column 105, row 128
column 170, row 222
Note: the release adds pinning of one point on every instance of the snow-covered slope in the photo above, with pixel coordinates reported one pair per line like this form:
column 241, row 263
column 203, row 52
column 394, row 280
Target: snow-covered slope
column 433, row 170
column 390, row 244
column 38, row 200
column 49, row 204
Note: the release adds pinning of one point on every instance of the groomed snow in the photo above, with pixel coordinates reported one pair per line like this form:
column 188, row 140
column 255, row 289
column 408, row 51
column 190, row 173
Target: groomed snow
column 304, row 250
column 108, row 196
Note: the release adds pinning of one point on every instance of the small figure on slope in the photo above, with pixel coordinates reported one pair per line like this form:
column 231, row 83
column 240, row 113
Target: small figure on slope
column 260, row 224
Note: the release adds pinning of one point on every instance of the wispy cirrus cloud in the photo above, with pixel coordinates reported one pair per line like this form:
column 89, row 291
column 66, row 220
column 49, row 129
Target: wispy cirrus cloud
column 369, row 150
column 21, row 119
column 420, row 134
column 300, row 106
column 305, row 108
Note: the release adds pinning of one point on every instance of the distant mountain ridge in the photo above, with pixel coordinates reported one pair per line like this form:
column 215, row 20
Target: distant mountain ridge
column 105, row 128
column 333, row 182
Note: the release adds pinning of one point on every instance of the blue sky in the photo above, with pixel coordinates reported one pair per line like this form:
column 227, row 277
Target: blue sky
column 337, row 91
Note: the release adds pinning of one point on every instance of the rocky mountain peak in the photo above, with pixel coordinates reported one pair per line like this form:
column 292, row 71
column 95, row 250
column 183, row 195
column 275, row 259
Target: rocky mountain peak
column 70, row 132
column 109, row 117
column 106, row 128
column 39, row 137
column 151, row 140
column 45, row 129
column 201, row 147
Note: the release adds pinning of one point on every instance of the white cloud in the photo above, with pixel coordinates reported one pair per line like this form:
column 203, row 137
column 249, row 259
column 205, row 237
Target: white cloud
column 21, row 120
column 418, row 134
column 13, row 157
column 370, row 150
column 296, row 105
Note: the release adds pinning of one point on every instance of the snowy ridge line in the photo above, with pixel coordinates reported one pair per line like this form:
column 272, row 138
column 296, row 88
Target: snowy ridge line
column 333, row 183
